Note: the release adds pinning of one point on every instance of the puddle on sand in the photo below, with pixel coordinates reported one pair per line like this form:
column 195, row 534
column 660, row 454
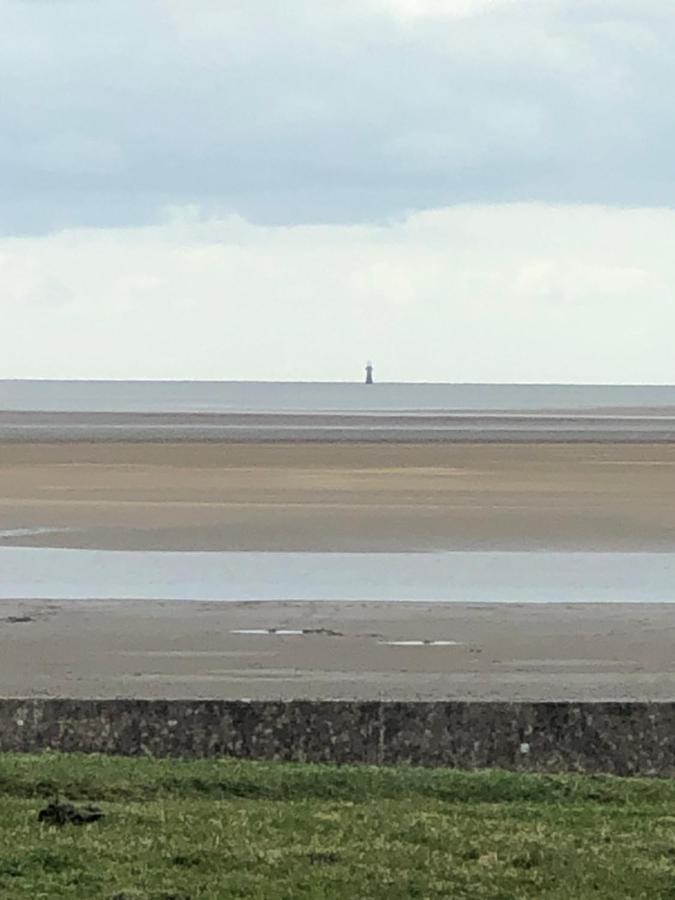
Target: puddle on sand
column 421, row 643
column 12, row 533
column 310, row 632
column 275, row 632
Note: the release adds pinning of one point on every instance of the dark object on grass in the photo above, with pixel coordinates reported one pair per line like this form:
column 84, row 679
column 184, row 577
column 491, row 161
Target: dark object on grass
column 65, row 814
column 323, row 859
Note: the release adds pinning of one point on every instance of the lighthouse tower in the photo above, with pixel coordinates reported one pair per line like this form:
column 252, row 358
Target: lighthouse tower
column 369, row 372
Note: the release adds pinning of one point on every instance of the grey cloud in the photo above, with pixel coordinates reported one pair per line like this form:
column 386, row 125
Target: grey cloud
column 310, row 112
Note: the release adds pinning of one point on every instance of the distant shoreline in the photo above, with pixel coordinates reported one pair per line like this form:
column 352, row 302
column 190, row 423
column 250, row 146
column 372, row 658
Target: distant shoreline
column 629, row 426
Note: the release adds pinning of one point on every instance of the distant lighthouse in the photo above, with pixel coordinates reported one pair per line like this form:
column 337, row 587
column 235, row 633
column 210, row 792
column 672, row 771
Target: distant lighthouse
column 369, row 373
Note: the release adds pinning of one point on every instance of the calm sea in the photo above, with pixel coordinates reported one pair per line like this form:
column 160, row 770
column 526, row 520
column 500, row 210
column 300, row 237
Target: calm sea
column 307, row 397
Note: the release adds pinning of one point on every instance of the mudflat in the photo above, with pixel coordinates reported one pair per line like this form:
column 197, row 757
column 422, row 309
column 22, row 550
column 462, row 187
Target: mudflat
column 328, row 496
column 337, row 650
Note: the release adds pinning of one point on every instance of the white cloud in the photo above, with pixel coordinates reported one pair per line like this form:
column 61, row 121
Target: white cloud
column 434, row 9
column 502, row 293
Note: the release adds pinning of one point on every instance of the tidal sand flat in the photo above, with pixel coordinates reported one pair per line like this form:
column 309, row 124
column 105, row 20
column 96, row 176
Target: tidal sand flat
column 161, row 649
column 330, row 497
column 104, row 536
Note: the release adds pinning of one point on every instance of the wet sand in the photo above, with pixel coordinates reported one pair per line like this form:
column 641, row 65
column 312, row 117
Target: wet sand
column 611, row 425
column 332, row 497
column 174, row 650
column 325, row 497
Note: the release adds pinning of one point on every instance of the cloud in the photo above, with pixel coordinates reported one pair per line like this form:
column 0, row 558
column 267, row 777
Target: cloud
column 328, row 112
column 512, row 292
column 438, row 9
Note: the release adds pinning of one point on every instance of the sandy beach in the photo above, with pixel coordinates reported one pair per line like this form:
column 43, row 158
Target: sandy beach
column 360, row 497
column 344, row 650
column 327, row 497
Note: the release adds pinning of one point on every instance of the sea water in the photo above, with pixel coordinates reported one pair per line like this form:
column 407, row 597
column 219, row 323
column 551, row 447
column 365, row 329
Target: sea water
column 260, row 397
column 469, row 577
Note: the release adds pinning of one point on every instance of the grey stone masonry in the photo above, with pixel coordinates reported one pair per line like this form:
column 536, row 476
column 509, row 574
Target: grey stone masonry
column 621, row 738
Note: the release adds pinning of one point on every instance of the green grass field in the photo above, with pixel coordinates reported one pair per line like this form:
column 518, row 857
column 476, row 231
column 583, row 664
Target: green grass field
column 228, row 829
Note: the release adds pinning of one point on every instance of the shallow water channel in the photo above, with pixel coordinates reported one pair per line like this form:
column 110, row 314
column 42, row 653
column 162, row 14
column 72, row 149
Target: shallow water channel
column 474, row 577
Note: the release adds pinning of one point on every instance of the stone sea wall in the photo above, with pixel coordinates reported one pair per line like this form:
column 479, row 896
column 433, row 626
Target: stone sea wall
column 620, row 738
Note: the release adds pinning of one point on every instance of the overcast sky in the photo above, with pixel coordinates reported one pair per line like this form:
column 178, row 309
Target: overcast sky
column 461, row 189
